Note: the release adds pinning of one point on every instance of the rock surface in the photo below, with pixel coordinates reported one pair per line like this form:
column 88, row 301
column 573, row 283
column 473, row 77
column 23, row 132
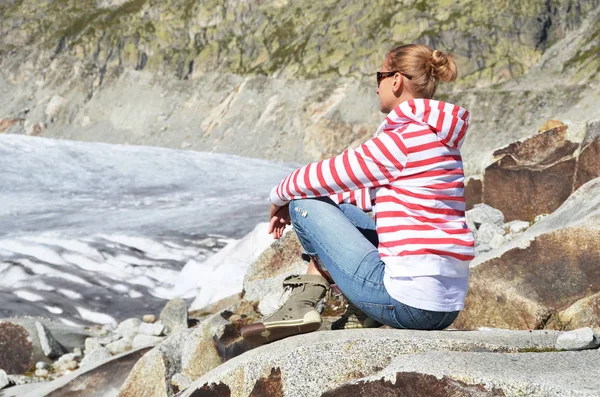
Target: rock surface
column 434, row 374
column 339, row 356
column 551, row 165
column 531, row 280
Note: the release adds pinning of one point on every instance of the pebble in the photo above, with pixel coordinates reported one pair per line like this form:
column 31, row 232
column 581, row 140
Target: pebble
column 41, row 365
column 149, row 318
column 42, row 373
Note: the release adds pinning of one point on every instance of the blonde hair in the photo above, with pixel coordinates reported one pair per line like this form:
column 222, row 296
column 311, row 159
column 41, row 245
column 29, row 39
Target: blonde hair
column 425, row 66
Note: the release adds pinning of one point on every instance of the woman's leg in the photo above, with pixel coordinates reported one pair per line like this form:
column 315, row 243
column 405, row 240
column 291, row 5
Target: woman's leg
column 345, row 241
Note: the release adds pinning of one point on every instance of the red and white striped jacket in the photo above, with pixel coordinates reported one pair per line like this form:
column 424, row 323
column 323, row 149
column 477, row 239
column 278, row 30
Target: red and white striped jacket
column 411, row 172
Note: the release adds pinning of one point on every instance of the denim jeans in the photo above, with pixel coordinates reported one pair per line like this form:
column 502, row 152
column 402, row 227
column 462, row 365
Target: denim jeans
column 345, row 240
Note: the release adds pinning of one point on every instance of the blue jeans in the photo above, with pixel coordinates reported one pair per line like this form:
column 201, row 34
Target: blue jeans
column 345, row 240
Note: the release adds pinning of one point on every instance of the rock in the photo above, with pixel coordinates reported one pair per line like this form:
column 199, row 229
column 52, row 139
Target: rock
column 54, row 106
column 142, row 340
column 96, row 356
column 17, row 353
column 483, row 213
column 583, row 312
column 65, row 366
column 128, row 326
column 92, row 344
column 120, row 346
column 174, row 316
column 149, row 318
column 52, row 349
column 155, row 329
column 5, row 124
column 3, row 379
column 497, row 241
column 41, row 365
column 516, row 227
column 487, row 231
column 536, row 175
column 338, row 356
column 579, row 339
column 551, row 124
column 529, row 281
column 77, row 353
column 42, row 373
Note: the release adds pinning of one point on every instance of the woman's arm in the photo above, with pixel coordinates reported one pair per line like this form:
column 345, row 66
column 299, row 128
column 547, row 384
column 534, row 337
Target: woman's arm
column 377, row 162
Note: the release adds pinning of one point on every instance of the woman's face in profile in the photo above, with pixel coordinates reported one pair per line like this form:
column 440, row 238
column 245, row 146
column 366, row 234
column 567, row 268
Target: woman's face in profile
column 387, row 98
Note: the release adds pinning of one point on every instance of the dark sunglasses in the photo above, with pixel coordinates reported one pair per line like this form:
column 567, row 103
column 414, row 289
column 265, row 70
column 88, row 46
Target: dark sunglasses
column 383, row 75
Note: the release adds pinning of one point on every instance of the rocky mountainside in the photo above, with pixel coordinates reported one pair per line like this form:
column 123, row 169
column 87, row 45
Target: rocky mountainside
column 282, row 80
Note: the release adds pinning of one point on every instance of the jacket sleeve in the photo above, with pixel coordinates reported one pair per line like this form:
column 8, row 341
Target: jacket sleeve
column 360, row 198
column 377, row 162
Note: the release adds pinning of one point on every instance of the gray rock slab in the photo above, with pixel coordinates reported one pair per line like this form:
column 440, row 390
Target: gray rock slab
column 102, row 380
column 579, row 339
column 51, row 347
column 556, row 374
column 335, row 355
column 21, row 390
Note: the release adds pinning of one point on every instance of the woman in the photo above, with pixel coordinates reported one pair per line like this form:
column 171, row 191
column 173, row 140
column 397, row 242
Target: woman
column 408, row 267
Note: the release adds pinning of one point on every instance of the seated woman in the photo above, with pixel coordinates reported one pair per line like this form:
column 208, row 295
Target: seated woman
column 409, row 266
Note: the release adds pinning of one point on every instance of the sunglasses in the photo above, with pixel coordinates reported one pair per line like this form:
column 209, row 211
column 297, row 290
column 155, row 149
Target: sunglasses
column 383, row 75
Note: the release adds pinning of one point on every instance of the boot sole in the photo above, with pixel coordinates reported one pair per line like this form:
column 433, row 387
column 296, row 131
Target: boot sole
column 262, row 333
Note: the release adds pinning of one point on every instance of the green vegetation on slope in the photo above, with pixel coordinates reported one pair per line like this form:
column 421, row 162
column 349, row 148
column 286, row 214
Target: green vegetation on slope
column 493, row 42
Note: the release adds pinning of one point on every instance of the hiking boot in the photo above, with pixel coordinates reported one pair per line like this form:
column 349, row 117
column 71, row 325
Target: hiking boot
column 354, row 318
column 297, row 315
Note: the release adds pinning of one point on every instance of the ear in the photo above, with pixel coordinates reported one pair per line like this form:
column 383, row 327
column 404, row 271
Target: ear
column 397, row 84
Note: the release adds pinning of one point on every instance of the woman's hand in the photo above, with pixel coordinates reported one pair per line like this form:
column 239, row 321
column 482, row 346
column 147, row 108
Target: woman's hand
column 279, row 219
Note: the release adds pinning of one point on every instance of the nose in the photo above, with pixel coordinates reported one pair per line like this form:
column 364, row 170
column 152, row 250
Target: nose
column 377, row 91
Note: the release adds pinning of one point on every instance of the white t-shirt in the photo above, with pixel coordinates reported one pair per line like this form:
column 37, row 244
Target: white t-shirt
column 435, row 293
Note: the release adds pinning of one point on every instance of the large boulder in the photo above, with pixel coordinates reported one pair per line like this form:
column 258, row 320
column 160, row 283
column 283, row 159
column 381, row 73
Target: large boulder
column 541, row 278
column 311, row 364
column 536, row 175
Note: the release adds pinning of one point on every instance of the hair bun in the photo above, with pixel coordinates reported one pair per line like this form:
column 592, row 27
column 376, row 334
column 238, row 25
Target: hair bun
column 443, row 66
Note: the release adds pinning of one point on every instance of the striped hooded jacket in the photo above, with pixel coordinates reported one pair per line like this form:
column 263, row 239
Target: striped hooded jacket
column 410, row 174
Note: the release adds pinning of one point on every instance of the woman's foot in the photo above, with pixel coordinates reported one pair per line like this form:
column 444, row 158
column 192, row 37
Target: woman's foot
column 354, row 318
column 297, row 315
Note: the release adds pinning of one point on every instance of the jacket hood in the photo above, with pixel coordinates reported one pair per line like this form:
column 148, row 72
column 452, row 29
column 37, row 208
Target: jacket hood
column 448, row 121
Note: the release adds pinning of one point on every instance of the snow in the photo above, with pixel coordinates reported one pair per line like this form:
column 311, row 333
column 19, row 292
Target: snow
column 28, row 296
column 98, row 318
column 102, row 232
